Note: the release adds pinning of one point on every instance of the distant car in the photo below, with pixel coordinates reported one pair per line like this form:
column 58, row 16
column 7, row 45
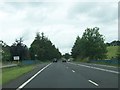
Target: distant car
column 55, row 60
column 63, row 60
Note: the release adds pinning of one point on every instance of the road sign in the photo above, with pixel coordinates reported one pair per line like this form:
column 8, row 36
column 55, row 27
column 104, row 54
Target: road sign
column 16, row 58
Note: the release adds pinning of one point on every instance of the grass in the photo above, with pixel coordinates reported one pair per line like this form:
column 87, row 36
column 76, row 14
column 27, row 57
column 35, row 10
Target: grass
column 112, row 51
column 12, row 73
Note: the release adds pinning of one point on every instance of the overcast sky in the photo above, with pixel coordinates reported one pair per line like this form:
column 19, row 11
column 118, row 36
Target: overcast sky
column 61, row 22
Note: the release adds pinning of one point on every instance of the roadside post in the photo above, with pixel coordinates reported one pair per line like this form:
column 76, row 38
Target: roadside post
column 35, row 58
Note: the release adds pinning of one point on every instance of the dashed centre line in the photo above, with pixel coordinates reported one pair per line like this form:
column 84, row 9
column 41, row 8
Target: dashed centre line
column 73, row 71
column 106, row 70
column 93, row 82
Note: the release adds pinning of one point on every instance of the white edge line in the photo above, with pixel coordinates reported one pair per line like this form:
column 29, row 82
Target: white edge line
column 100, row 69
column 97, row 68
column 25, row 83
column 105, row 65
column 93, row 82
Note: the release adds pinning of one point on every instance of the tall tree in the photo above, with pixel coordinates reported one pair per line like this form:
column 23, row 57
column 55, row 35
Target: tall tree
column 76, row 48
column 43, row 49
column 5, row 52
column 91, row 45
column 19, row 49
column 66, row 55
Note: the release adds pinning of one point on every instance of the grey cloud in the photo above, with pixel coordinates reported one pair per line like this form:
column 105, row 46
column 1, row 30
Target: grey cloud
column 21, row 5
column 102, row 12
column 57, row 21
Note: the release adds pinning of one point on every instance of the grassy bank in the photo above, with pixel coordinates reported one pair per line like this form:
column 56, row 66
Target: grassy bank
column 112, row 51
column 12, row 73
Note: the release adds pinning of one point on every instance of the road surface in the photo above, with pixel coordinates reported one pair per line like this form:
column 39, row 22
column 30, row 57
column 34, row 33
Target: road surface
column 68, row 75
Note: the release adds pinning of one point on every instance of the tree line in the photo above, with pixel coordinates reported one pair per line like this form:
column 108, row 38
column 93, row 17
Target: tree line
column 114, row 43
column 40, row 49
column 43, row 49
column 90, row 46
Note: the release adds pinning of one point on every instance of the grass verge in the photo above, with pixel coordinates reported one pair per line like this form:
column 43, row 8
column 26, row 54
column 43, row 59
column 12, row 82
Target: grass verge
column 12, row 73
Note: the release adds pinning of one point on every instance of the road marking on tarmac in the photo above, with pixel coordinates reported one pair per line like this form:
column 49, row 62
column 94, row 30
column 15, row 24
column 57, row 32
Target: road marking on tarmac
column 105, row 65
column 96, row 68
column 100, row 69
column 93, row 82
column 73, row 71
column 25, row 83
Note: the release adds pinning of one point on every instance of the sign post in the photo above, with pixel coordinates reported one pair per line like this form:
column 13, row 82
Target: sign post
column 16, row 58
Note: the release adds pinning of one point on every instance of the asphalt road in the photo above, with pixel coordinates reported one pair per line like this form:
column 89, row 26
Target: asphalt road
column 69, row 75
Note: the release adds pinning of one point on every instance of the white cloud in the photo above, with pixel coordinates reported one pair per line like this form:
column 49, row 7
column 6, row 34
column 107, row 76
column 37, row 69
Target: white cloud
column 61, row 22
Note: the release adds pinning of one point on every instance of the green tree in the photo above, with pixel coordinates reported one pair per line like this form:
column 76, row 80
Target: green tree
column 66, row 55
column 91, row 45
column 76, row 49
column 19, row 49
column 5, row 52
column 43, row 49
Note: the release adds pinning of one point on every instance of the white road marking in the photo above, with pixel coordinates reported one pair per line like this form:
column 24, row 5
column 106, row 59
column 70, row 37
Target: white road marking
column 73, row 71
column 93, row 82
column 97, row 68
column 105, row 65
column 25, row 83
column 102, row 65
